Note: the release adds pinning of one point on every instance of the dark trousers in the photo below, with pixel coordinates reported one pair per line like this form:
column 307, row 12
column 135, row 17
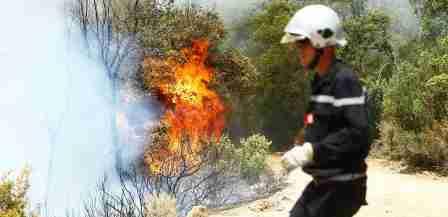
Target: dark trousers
column 331, row 199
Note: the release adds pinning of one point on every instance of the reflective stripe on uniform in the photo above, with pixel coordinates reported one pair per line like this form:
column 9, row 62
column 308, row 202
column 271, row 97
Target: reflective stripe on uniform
column 341, row 178
column 347, row 177
column 339, row 102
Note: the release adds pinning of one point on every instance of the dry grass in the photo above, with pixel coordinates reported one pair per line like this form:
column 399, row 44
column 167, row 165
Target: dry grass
column 162, row 205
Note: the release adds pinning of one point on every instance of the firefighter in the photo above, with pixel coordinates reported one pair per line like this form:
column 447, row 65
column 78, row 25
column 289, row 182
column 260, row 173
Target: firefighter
column 336, row 130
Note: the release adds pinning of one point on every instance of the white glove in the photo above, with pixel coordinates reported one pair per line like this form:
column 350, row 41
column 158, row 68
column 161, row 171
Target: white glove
column 299, row 156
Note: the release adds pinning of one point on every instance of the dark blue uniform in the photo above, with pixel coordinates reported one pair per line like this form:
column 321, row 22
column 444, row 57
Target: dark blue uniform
column 336, row 125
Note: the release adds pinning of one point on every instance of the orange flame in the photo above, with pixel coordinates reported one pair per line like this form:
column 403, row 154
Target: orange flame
column 195, row 112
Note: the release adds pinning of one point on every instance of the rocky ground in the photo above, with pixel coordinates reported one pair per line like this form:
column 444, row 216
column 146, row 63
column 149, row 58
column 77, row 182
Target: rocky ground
column 390, row 193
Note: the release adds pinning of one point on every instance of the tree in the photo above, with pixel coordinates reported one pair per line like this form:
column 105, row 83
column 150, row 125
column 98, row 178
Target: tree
column 277, row 106
column 435, row 18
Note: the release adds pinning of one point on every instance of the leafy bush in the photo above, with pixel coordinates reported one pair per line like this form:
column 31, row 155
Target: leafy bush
column 249, row 156
column 415, row 116
column 252, row 154
column 396, row 142
column 368, row 49
column 404, row 98
column 435, row 18
column 435, row 143
column 426, row 149
column 177, row 27
column 415, row 95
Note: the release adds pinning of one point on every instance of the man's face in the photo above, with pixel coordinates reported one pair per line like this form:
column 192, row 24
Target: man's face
column 306, row 52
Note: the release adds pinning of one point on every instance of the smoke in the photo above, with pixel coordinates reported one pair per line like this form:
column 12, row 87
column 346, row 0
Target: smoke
column 54, row 107
column 230, row 10
column 404, row 20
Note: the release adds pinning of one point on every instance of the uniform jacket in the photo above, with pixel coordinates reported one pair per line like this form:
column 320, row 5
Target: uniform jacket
column 336, row 124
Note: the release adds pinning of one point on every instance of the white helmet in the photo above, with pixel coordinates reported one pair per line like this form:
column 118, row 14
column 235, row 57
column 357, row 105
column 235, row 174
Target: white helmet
column 318, row 23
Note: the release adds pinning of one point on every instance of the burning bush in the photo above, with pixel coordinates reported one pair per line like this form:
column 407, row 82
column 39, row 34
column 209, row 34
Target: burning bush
column 194, row 113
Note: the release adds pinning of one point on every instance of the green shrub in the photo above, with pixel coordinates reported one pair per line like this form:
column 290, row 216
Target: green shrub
column 404, row 99
column 368, row 50
column 415, row 116
column 416, row 93
column 427, row 149
column 252, row 154
column 248, row 158
column 396, row 143
column 435, row 144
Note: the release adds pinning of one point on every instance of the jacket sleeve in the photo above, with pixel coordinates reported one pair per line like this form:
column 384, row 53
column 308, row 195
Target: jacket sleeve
column 350, row 141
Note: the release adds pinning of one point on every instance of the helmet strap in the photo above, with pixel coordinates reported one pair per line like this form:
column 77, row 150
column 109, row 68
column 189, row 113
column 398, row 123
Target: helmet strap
column 316, row 59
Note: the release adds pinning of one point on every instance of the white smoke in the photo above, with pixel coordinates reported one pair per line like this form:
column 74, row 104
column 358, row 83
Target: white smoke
column 54, row 106
column 230, row 10
column 404, row 19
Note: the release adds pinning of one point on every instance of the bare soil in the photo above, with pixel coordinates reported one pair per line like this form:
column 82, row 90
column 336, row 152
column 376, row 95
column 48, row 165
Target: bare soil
column 390, row 194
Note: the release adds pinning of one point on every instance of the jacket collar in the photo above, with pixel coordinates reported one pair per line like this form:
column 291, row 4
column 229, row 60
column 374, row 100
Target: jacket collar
column 318, row 82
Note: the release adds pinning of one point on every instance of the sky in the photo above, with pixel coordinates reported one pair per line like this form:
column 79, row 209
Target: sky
column 53, row 102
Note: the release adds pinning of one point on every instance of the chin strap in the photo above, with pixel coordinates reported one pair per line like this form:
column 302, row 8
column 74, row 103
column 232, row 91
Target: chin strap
column 313, row 64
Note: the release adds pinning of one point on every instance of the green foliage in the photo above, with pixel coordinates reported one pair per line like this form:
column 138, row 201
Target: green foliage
column 277, row 107
column 415, row 107
column 427, row 148
column 177, row 27
column 435, row 18
column 249, row 156
column 253, row 153
column 368, row 49
column 404, row 100
column 235, row 75
column 226, row 150
column 395, row 141
column 415, row 95
column 13, row 199
column 435, row 6
column 435, row 144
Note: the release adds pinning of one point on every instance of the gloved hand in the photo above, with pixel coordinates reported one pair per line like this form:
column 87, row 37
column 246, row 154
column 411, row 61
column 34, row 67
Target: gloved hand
column 298, row 156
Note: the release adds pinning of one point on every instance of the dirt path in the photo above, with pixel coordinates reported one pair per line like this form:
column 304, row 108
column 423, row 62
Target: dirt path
column 390, row 193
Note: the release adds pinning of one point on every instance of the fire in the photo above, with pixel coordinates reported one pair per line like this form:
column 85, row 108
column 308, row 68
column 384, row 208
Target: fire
column 195, row 113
